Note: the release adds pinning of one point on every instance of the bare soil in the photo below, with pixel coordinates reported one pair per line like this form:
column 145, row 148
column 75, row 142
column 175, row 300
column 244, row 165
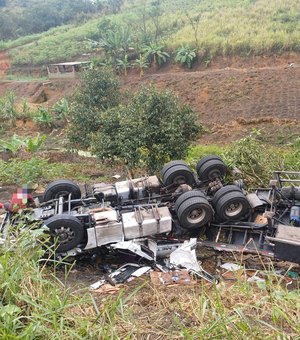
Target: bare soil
column 231, row 96
column 231, row 101
column 4, row 64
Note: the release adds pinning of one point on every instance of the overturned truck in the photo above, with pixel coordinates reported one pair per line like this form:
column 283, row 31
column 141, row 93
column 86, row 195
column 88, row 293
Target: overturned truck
column 180, row 204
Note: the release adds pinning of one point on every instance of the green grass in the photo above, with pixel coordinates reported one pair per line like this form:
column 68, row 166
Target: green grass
column 245, row 27
column 228, row 27
column 253, row 157
column 15, row 77
column 33, row 169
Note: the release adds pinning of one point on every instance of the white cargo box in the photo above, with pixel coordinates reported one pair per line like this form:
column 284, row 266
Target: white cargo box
column 145, row 222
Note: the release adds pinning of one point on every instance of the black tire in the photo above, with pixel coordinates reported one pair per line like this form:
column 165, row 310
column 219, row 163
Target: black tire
column 62, row 187
column 170, row 165
column 185, row 196
column 179, row 174
column 206, row 159
column 232, row 206
column 195, row 213
column 223, row 191
column 211, row 170
column 67, row 229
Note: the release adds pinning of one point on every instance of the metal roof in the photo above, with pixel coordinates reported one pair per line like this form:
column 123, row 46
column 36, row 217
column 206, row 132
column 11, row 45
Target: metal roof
column 71, row 63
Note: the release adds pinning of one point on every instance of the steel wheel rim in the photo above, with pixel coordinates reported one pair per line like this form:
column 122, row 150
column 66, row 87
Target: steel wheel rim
column 213, row 174
column 179, row 180
column 233, row 209
column 196, row 215
column 63, row 235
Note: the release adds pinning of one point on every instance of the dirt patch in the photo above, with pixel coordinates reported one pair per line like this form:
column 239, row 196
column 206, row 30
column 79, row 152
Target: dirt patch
column 230, row 97
column 4, row 64
column 231, row 101
column 30, row 90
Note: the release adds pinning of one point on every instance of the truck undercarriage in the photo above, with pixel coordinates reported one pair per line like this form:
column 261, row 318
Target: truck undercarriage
column 181, row 204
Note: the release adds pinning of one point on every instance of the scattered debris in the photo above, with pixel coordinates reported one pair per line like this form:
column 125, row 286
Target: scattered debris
column 176, row 277
column 180, row 268
column 108, row 289
column 135, row 248
column 185, row 256
column 232, row 267
column 255, row 278
column 293, row 275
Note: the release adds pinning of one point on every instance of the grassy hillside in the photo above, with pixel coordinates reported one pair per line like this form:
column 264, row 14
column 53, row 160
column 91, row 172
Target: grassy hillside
column 221, row 27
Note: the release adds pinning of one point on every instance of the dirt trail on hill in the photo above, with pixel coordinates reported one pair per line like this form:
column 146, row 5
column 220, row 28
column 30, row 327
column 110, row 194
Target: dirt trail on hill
column 231, row 101
column 230, row 97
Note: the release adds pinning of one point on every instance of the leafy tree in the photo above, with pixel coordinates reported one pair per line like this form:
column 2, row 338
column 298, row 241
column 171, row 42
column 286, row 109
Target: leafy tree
column 34, row 16
column 152, row 129
column 194, row 21
column 115, row 40
column 156, row 54
column 186, row 56
column 155, row 14
column 109, row 6
column 142, row 64
column 123, row 64
column 97, row 91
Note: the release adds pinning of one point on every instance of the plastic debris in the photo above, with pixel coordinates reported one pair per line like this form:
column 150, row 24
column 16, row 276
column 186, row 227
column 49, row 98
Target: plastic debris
column 292, row 275
column 97, row 284
column 185, row 256
column 255, row 278
column 176, row 277
column 232, row 267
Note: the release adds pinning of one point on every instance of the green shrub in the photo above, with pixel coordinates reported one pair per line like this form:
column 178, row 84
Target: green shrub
column 8, row 110
column 14, row 145
column 33, row 144
column 156, row 54
column 186, row 56
column 44, row 118
column 151, row 130
column 33, row 170
column 257, row 161
column 98, row 90
column 195, row 153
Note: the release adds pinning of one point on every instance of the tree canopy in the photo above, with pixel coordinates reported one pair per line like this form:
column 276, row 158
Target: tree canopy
column 148, row 130
column 22, row 17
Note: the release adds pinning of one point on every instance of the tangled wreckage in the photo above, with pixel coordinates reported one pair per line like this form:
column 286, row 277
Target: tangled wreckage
column 151, row 214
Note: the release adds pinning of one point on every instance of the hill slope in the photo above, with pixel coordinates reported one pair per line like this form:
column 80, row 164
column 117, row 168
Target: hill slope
column 221, row 27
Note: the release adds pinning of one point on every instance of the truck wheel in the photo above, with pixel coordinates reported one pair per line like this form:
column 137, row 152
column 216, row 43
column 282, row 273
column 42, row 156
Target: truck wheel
column 195, row 213
column 232, row 206
column 185, row 196
column 62, row 187
column 206, row 159
column 170, row 165
column 211, row 170
column 223, row 191
column 66, row 230
column 179, row 174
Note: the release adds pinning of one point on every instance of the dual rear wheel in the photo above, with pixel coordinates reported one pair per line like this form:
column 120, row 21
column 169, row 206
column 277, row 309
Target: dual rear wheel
column 209, row 168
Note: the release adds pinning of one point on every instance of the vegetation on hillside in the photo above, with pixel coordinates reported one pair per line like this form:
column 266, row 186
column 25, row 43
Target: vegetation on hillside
column 22, row 17
column 149, row 130
column 220, row 27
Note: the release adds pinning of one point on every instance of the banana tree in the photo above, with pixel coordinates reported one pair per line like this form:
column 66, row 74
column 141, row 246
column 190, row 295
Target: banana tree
column 142, row 64
column 123, row 64
column 186, row 56
column 156, row 54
